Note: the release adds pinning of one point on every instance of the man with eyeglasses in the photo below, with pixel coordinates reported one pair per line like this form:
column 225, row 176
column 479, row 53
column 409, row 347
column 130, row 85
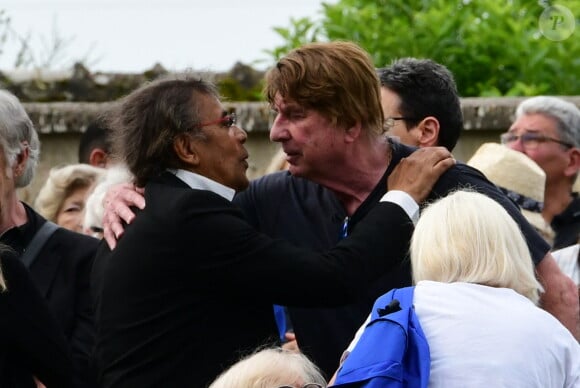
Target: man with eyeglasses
column 420, row 102
column 331, row 126
column 191, row 285
column 547, row 130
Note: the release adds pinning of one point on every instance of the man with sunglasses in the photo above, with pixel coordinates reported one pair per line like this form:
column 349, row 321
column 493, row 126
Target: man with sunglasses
column 331, row 126
column 547, row 130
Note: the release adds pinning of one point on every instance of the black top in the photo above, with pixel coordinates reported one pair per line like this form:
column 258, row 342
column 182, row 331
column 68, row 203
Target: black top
column 31, row 343
column 566, row 225
column 61, row 273
column 310, row 216
column 190, row 286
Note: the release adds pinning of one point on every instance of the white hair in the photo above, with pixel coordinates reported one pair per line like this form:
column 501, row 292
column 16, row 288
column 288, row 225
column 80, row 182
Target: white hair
column 566, row 114
column 94, row 204
column 16, row 134
column 468, row 237
column 269, row 368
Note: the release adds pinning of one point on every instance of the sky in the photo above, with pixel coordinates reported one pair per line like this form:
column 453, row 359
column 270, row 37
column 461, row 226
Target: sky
column 133, row 35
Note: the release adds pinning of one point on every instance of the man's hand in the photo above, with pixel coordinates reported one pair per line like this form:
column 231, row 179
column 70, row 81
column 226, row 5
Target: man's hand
column 38, row 383
column 291, row 343
column 560, row 297
column 116, row 208
column 417, row 173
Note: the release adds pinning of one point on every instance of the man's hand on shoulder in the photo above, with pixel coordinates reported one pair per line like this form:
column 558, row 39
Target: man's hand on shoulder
column 417, row 173
column 116, row 204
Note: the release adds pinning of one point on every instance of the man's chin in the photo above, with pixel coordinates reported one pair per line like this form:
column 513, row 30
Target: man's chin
column 241, row 186
column 295, row 170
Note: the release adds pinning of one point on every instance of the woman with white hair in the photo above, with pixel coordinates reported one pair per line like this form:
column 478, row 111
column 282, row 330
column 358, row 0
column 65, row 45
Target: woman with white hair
column 62, row 199
column 272, row 368
column 476, row 296
column 93, row 216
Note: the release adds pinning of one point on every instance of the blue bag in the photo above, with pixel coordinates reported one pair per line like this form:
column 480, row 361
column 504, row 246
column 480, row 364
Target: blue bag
column 392, row 351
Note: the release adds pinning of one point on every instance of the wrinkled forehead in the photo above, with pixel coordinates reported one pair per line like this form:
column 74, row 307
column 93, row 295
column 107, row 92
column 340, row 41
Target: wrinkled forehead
column 285, row 102
column 535, row 122
column 208, row 106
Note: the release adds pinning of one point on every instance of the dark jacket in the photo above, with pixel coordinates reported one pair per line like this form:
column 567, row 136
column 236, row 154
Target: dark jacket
column 310, row 216
column 31, row 343
column 61, row 273
column 567, row 225
column 190, row 286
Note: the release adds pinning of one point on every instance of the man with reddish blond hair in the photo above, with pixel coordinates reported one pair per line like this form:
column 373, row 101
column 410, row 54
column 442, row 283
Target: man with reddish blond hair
column 330, row 125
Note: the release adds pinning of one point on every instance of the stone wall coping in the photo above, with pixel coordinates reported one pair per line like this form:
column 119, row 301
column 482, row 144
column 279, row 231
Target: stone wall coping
column 479, row 113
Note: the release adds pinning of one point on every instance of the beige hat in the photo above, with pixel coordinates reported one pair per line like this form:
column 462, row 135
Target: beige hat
column 515, row 172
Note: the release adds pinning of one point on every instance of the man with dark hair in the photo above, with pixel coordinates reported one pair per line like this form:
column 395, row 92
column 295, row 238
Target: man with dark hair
column 94, row 145
column 420, row 103
column 331, row 127
column 191, row 285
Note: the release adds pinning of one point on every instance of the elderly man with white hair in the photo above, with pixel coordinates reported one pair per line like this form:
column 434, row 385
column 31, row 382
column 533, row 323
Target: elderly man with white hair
column 547, row 130
column 59, row 261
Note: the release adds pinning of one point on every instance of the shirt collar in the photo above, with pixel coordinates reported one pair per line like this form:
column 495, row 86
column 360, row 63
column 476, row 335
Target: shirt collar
column 18, row 237
column 196, row 181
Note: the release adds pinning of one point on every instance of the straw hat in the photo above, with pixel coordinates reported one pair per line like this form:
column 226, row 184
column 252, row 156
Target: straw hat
column 519, row 175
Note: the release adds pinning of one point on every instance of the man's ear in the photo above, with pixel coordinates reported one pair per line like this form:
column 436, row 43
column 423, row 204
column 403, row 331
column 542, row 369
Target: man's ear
column 352, row 133
column 429, row 132
column 573, row 162
column 185, row 147
column 21, row 160
column 98, row 158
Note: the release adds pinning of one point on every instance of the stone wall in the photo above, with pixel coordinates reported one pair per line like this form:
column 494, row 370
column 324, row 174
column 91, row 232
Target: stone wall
column 60, row 125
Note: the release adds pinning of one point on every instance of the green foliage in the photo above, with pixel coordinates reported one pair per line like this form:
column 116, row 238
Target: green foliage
column 241, row 83
column 492, row 47
column 232, row 90
column 300, row 32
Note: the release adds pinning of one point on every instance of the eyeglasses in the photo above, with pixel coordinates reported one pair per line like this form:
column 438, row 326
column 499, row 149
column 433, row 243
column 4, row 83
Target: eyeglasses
column 309, row 385
column 530, row 140
column 225, row 121
column 390, row 122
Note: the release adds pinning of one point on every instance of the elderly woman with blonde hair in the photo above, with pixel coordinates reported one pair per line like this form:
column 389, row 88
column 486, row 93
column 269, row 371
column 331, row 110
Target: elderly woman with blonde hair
column 475, row 298
column 272, row 368
column 62, row 198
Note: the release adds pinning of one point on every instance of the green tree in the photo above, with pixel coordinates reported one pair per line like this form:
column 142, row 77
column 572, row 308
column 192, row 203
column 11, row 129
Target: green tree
column 300, row 32
column 492, row 47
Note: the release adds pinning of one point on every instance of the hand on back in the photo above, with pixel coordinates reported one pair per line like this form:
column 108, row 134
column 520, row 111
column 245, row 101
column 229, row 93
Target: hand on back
column 117, row 203
column 417, row 173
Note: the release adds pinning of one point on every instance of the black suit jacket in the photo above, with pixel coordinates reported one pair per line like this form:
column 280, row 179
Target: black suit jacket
column 190, row 286
column 31, row 343
column 61, row 273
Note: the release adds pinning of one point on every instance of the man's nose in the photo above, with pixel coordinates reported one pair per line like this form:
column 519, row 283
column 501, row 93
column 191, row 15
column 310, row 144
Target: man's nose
column 240, row 134
column 517, row 145
column 279, row 132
